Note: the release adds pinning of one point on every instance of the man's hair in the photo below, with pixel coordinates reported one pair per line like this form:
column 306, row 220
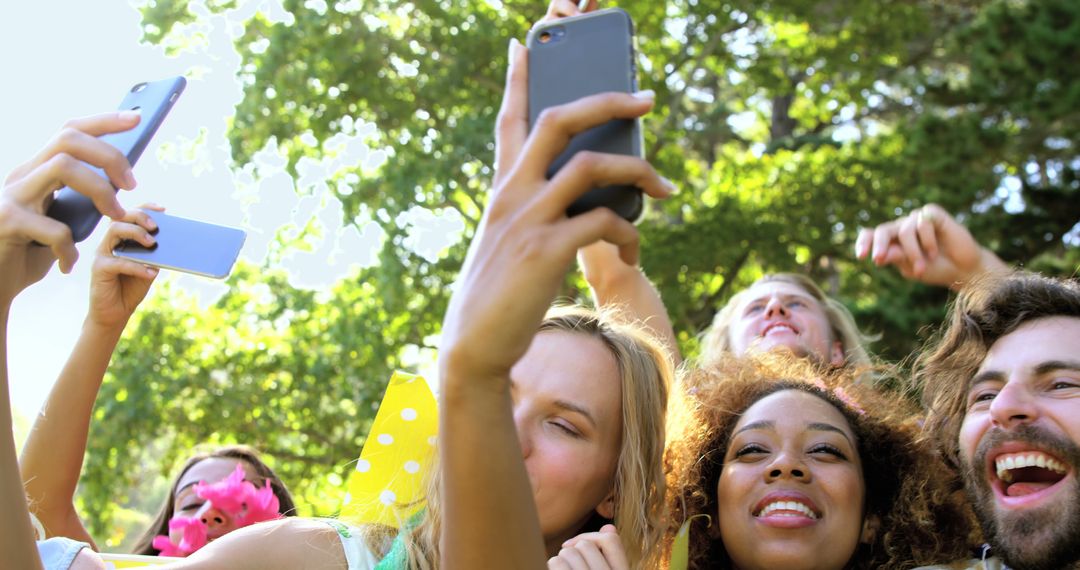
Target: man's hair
column 716, row 340
column 983, row 313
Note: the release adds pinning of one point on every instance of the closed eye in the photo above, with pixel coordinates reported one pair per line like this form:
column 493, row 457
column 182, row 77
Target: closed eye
column 828, row 449
column 750, row 449
column 566, row 428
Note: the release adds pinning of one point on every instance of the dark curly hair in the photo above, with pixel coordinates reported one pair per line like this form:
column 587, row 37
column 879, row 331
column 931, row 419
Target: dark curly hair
column 913, row 495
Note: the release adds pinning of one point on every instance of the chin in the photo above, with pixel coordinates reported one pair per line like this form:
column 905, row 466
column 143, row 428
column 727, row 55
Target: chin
column 805, row 558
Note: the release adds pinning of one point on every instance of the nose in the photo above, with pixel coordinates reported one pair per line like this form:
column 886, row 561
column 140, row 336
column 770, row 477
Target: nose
column 775, row 308
column 212, row 517
column 787, row 466
column 1013, row 405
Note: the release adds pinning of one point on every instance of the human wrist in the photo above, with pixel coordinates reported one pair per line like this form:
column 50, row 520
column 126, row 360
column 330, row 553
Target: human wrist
column 461, row 373
column 989, row 262
column 106, row 329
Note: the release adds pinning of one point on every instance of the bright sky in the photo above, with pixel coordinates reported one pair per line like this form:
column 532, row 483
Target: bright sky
column 70, row 58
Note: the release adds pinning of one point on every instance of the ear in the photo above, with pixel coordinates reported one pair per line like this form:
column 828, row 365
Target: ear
column 870, row 528
column 837, row 354
column 606, row 508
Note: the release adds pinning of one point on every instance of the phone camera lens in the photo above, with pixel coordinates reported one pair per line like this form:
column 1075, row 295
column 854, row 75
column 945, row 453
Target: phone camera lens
column 138, row 88
column 545, row 37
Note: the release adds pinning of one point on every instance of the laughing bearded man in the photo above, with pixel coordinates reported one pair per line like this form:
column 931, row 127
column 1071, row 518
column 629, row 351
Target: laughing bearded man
column 1002, row 390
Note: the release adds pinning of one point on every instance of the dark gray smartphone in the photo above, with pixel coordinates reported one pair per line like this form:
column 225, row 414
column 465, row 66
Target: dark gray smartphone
column 153, row 100
column 580, row 56
column 187, row 245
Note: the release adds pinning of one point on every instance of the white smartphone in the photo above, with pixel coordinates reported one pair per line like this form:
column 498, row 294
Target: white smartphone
column 187, row 245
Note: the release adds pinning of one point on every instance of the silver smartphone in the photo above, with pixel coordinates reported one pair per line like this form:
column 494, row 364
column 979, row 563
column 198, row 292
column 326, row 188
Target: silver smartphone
column 187, row 245
column 153, row 100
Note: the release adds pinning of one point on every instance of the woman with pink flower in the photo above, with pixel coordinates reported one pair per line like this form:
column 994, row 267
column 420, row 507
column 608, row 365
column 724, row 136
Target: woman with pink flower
column 214, row 493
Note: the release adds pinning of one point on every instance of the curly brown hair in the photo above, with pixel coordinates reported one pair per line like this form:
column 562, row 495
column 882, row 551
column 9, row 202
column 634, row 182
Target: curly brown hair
column 912, row 494
column 983, row 313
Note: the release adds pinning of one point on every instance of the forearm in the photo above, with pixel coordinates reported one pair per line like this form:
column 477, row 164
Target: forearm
column 17, row 539
column 53, row 455
column 286, row 544
column 490, row 519
column 628, row 289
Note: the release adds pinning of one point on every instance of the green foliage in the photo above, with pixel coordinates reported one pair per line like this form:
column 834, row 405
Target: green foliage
column 787, row 123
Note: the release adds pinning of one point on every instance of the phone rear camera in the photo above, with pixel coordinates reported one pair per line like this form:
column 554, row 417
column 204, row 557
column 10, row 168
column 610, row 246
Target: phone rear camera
column 138, row 88
column 552, row 35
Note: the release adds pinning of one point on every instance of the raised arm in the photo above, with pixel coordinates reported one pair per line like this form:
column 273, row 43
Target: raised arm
column 616, row 284
column 52, row 458
column 513, row 272
column 930, row 246
column 23, row 201
column 613, row 282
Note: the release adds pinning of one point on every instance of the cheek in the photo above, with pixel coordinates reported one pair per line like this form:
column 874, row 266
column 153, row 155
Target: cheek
column 740, row 335
column 562, row 466
column 730, row 490
column 971, row 431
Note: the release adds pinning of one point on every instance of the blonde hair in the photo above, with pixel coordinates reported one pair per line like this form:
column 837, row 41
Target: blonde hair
column 646, row 373
column 716, row 340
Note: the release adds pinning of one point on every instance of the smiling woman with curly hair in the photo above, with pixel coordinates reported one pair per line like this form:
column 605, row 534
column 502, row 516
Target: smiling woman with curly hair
column 796, row 468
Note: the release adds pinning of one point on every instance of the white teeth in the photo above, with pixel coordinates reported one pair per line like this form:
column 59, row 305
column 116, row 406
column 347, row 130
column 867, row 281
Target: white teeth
column 792, row 506
column 1004, row 464
column 778, row 327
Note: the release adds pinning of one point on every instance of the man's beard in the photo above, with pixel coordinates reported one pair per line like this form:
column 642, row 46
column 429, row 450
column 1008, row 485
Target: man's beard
column 1044, row 538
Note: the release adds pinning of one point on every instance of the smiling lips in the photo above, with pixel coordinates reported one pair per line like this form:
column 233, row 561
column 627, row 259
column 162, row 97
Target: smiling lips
column 786, row 505
column 779, row 326
column 1027, row 472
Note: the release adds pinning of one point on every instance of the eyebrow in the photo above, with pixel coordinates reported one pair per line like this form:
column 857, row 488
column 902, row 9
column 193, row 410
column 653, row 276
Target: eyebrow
column 184, row 488
column 816, row 426
column 1044, row 368
column 565, row 405
column 1055, row 365
column 763, row 424
column 821, row 426
column 572, row 407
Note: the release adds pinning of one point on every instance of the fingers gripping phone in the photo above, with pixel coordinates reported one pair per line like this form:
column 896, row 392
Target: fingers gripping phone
column 580, row 56
column 153, row 100
column 187, row 245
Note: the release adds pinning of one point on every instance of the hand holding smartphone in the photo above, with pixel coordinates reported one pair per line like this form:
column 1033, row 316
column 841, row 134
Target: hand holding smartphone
column 153, row 100
column 576, row 57
column 187, row 245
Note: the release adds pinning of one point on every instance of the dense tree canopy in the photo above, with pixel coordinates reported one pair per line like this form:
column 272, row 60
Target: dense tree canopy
column 788, row 124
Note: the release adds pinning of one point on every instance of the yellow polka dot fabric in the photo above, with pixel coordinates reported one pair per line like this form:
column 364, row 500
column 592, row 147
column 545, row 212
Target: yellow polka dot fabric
column 119, row 561
column 387, row 485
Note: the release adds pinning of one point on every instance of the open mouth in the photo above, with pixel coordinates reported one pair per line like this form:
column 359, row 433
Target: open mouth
column 779, row 327
column 1028, row 472
column 787, row 509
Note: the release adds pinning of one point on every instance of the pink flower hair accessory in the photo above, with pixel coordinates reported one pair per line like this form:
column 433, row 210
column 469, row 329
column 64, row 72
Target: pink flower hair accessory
column 244, row 503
